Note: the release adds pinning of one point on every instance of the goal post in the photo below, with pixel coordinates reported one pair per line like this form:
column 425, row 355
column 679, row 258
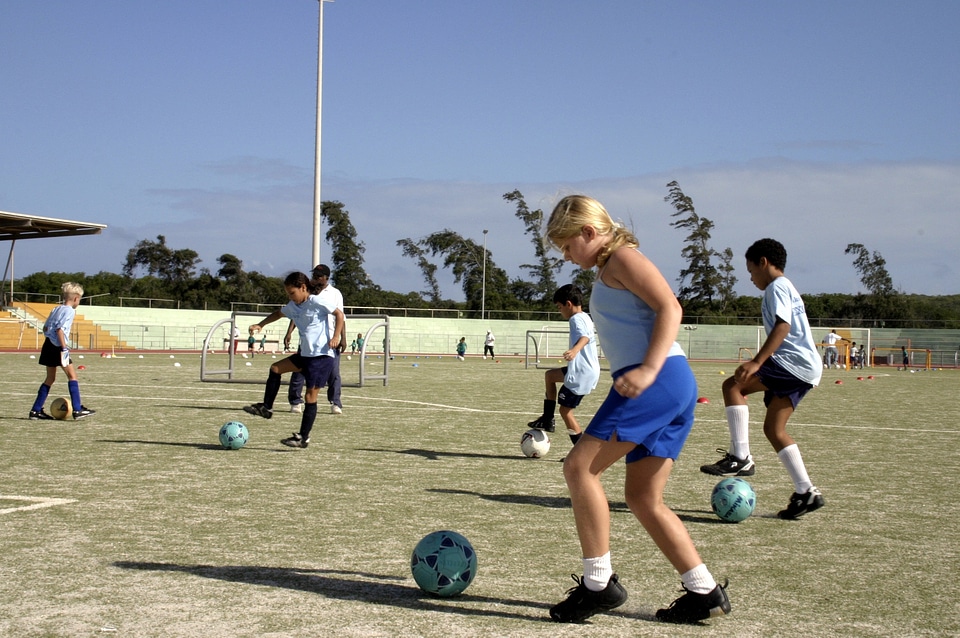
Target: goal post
column 211, row 374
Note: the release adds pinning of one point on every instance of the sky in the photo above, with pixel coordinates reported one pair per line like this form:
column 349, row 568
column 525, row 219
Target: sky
column 821, row 123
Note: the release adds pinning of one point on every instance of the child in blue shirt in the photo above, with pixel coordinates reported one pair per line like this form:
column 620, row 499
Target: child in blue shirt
column 579, row 377
column 55, row 353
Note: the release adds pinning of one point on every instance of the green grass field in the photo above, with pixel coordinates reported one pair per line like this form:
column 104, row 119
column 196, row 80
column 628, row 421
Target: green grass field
column 160, row 532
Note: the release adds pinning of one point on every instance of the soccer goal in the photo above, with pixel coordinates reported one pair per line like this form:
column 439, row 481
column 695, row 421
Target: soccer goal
column 541, row 341
column 223, row 331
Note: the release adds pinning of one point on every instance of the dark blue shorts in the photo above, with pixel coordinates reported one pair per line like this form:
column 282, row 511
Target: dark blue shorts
column 658, row 421
column 780, row 383
column 316, row 371
column 568, row 398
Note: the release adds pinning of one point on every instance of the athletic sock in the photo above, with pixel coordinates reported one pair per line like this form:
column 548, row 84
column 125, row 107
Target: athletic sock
column 699, row 580
column 74, row 387
column 791, row 459
column 549, row 406
column 738, row 420
column 306, row 421
column 271, row 390
column 574, row 436
column 42, row 394
column 597, row 572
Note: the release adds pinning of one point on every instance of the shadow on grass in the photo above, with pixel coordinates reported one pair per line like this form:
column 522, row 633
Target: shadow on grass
column 435, row 455
column 553, row 502
column 362, row 587
column 198, row 446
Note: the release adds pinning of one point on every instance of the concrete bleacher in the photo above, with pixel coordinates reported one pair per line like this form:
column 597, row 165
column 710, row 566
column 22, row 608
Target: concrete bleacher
column 123, row 328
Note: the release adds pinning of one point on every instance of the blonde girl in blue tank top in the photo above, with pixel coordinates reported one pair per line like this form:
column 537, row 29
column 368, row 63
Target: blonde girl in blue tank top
column 645, row 418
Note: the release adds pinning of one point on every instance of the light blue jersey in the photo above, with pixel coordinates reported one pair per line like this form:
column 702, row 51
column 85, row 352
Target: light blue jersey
column 311, row 319
column 798, row 353
column 583, row 372
column 60, row 318
column 625, row 323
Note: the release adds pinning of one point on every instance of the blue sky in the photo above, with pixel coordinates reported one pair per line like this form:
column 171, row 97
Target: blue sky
column 818, row 123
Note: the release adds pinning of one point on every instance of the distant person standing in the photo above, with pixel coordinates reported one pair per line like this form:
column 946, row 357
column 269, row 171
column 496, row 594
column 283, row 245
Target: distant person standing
column 462, row 348
column 830, row 354
column 906, row 357
column 488, row 342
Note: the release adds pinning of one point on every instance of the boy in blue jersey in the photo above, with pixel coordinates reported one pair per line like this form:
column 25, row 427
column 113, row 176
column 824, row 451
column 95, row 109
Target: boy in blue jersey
column 785, row 369
column 581, row 374
column 55, row 353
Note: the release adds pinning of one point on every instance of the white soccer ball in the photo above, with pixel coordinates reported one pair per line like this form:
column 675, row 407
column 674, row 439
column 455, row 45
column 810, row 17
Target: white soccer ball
column 534, row 444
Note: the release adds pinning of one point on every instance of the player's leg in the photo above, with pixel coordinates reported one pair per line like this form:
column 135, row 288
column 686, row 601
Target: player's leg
column 599, row 589
column 272, row 387
column 570, row 421
column 295, row 392
column 737, row 461
column 806, row 497
column 36, row 411
column 546, row 421
column 334, row 387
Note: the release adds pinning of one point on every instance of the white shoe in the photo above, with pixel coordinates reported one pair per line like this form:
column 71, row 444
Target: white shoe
column 335, row 409
column 297, row 408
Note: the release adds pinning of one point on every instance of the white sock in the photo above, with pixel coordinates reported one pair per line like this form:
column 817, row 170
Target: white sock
column 791, row 459
column 597, row 572
column 738, row 419
column 699, row 580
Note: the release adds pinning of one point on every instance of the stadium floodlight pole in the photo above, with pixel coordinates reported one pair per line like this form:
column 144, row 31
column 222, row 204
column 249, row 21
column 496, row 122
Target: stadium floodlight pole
column 317, row 206
column 483, row 285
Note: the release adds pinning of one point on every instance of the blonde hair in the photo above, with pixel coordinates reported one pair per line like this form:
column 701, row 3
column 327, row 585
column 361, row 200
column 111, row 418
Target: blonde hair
column 573, row 212
column 71, row 289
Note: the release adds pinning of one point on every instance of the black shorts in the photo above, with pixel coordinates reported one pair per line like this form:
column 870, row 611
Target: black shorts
column 50, row 354
column 780, row 383
column 568, row 398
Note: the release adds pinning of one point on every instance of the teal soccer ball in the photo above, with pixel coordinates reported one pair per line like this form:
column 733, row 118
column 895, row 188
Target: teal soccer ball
column 234, row 435
column 733, row 499
column 443, row 563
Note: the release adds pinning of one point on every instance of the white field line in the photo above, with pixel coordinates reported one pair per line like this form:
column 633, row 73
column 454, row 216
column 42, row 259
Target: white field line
column 38, row 502
column 460, row 408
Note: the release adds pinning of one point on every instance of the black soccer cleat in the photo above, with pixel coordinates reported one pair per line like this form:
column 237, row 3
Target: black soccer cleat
column 543, row 423
column 730, row 465
column 40, row 415
column 296, row 441
column 82, row 413
column 581, row 603
column 259, row 409
column 800, row 504
column 692, row 608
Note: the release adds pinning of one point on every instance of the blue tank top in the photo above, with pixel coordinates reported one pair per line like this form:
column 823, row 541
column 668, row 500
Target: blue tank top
column 624, row 323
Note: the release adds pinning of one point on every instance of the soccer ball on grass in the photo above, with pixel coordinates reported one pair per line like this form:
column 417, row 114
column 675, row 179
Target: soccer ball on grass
column 234, row 435
column 534, row 443
column 443, row 563
column 733, row 499
column 60, row 408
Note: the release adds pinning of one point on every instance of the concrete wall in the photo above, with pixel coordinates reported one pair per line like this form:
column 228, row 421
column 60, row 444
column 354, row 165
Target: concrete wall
column 168, row 329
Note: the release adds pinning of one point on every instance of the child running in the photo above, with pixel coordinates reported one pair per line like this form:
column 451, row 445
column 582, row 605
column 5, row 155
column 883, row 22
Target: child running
column 579, row 377
column 315, row 357
column 646, row 417
column 55, row 353
column 785, row 369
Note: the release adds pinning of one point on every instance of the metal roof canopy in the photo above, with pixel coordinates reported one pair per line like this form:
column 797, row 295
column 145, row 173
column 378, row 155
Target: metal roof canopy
column 14, row 226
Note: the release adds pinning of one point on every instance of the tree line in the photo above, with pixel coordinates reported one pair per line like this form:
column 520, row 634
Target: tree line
column 705, row 286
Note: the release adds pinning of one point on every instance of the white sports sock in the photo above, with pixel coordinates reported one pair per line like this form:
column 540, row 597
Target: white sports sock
column 699, row 580
column 597, row 572
column 738, row 419
column 791, row 459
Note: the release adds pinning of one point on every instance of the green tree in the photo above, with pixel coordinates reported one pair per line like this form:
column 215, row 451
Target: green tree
column 872, row 270
column 703, row 286
column 346, row 259
column 174, row 268
column 543, row 271
column 429, row 270
column 466, row 261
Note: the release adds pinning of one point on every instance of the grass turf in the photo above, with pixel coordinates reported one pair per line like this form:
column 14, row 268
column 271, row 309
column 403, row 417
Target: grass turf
column 163, row 532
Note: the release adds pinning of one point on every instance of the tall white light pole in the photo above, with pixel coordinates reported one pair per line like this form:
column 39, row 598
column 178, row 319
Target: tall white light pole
column 483, row 286
column 317, row 206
